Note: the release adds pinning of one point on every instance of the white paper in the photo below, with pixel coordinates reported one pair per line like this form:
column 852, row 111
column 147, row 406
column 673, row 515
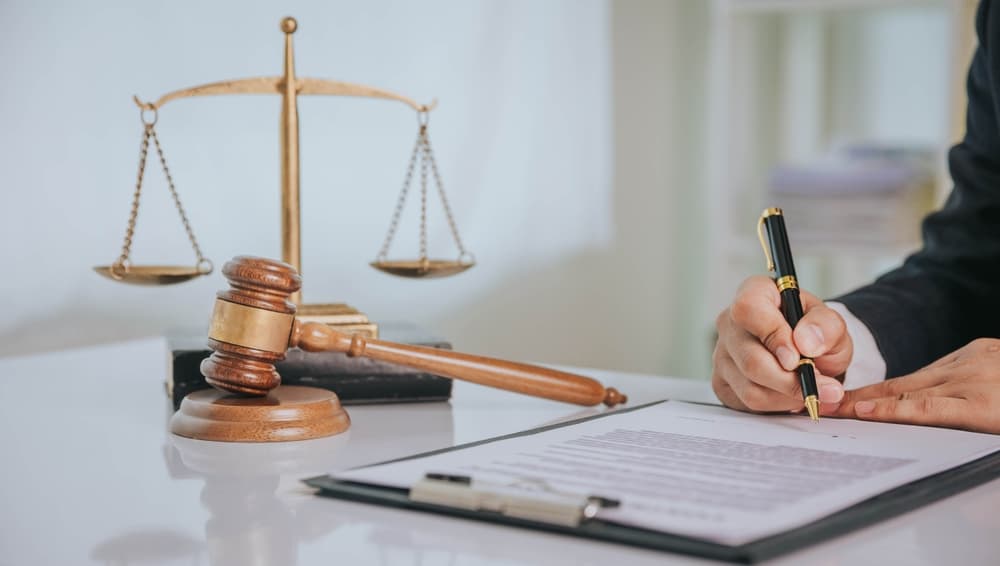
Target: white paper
column 706, row 471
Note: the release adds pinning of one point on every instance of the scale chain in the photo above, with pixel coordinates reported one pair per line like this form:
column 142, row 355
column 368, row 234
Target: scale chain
column 177, row 199
column 428, row 167
column 423, row 193
column 123, row 262
column 401, row 201
column 444, row 199
column 123, row 259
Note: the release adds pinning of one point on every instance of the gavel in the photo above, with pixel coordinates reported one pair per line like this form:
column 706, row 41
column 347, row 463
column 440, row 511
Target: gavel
column 254, row 324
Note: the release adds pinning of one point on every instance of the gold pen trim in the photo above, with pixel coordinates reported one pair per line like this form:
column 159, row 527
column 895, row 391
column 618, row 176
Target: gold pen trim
column 811, row 401
column 760, row 235
column 812, row 405
column 773, row 211
column 787, row 282
column 763, row 243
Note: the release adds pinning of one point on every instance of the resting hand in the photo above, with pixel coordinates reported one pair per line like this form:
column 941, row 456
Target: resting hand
column 961, row 390
column 757, row 352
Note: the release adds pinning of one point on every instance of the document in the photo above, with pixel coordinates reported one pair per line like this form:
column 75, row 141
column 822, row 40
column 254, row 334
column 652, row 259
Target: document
column 706, row 471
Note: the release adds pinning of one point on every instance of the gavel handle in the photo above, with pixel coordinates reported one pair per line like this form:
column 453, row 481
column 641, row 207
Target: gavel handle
column 511, row 376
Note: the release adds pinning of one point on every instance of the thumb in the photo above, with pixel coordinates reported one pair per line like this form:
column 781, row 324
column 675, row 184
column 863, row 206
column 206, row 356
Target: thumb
column 822, row 335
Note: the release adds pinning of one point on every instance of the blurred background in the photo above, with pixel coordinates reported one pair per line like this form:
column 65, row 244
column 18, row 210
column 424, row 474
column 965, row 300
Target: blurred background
column 606, row 160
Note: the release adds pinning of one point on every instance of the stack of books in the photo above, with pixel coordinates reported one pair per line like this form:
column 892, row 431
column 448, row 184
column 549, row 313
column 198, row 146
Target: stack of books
column 340, row 316
column 862, row 197
column 354, row 380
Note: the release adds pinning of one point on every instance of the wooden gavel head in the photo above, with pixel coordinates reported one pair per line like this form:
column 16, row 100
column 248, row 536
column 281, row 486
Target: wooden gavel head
column 251, row 325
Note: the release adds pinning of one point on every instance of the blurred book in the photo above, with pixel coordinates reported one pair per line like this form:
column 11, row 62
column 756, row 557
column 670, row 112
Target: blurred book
column 354, row 380
column 862, row 196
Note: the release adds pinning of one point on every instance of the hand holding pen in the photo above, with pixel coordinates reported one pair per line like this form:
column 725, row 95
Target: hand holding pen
column 774, row 239
column 757, row 355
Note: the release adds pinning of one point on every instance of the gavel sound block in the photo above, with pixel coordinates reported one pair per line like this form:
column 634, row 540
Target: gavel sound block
column 254, row 324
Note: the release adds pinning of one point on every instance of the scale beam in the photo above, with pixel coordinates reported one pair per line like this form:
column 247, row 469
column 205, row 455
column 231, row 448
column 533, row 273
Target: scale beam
column 340, row 88
column 289, row 86
column 273, row 85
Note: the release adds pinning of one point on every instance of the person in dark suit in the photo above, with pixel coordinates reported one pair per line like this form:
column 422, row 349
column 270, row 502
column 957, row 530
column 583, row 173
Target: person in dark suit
column 930, row 325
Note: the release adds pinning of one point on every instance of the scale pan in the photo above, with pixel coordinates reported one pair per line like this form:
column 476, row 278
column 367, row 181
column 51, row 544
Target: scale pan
column 151, row 274
column 417, row 268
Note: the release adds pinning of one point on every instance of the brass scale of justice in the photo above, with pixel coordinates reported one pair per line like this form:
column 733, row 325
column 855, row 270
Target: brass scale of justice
column 262, row 314
column 290, row 86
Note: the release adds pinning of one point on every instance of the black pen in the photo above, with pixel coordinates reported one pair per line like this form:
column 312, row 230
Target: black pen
column 779, row 260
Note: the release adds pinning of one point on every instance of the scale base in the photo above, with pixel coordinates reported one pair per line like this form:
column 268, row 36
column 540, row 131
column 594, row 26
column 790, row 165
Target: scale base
column 286, row 413
column 339, row 316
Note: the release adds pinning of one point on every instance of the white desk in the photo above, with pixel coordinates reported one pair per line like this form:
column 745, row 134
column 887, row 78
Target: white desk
column 89, row 474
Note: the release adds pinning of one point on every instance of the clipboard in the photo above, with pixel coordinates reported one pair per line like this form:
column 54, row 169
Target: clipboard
column 883, row 506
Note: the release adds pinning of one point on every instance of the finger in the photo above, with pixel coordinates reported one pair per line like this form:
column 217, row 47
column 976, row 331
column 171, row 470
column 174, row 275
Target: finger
column 924, row 410
column 847, row 407
column 822, row 335
column 810, row 301
column 896, row 386
column 832, row 410
column 746, row 395
column 726, row 394
column 722, row 372
column 756, row 364
column 752, row 359
column 760, row 399
column 943, row 389
column 757, row 310
column 831, row 391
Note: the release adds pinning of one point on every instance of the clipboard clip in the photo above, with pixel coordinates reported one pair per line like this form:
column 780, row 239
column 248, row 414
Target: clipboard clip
column 532, row 499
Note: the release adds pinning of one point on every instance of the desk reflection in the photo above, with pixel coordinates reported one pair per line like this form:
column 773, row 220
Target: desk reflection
column 259, row 512
column 153, row 546
column 250, row 523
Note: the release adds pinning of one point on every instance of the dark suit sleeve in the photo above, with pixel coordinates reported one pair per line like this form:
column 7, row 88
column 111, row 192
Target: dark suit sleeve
column 948, row 293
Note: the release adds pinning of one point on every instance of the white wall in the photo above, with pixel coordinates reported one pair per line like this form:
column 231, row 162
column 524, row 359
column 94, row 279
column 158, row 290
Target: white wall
column 661, row 105
column 570, row 269
column 571, row 136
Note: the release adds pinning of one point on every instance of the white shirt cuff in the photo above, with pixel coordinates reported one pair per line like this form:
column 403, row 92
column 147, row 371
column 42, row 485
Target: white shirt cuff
column 867, row 365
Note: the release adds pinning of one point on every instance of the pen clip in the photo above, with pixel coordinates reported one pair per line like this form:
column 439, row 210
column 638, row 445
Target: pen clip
column 763, row 242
